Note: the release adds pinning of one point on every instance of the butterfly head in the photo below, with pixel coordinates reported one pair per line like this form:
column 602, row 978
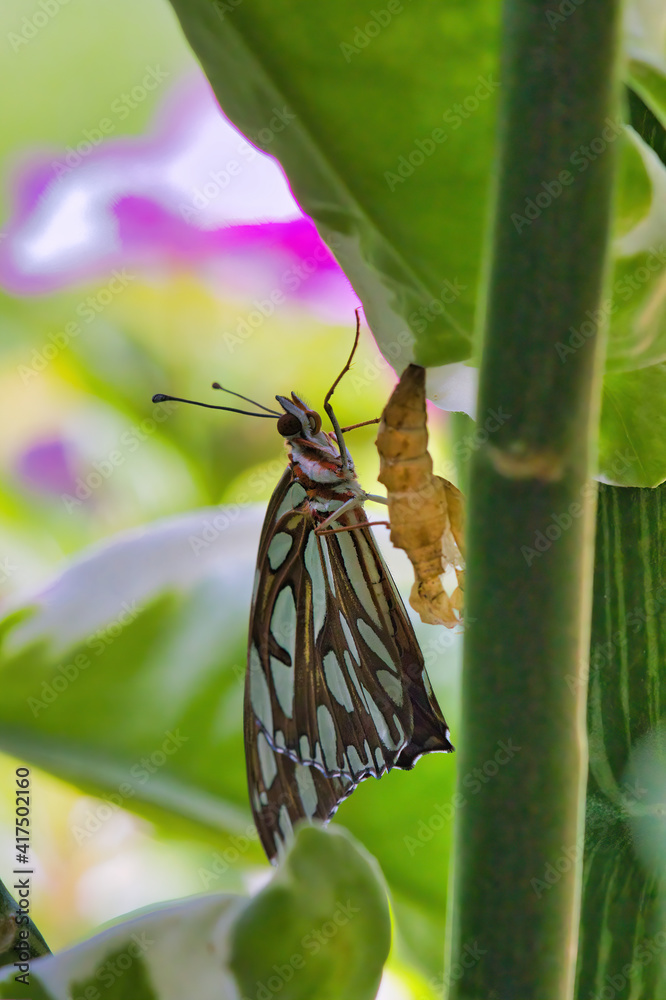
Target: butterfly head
column 301, row 428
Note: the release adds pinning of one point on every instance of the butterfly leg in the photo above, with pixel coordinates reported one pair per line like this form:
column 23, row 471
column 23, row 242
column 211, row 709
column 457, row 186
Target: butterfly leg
column 348, row 505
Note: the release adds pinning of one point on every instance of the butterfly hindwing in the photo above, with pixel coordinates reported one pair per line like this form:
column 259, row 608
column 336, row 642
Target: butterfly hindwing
column 335, row 673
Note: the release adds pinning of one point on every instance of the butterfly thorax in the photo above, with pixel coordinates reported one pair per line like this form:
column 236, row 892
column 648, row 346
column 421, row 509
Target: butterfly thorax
column 315, row 459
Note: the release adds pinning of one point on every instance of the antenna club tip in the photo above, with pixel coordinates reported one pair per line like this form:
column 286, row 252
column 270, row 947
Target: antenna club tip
column 159, row 397
column 216, row 385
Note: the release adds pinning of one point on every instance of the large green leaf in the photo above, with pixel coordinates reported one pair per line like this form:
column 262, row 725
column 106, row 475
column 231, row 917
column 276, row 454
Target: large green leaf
column 622, row 939
column 633, row 427
column 320, row 930
column 383, row 122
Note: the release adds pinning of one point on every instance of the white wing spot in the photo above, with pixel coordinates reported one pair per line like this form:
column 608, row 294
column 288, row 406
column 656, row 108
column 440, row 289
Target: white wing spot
column 266, row 760
column 327, row 563
column 379, row 757
column 391, row 685
column 283, row 680
column 373, row 641
column 278, row 550
column 294, row 497
column 355, row 574
column 260, row 696
column 285, row 824
column 283, row 620
column 351, row 670
column 304, row 744
column 380, row 722
column 355, row 763
column 336, row 682
column 353, row 649
column 279, row 740
column 316, row 573
column 328, row 736
column 374, row 561
column 307, row 790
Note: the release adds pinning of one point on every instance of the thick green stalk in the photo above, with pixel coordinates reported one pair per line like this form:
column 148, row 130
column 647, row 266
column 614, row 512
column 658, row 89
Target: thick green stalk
column 522, row 751
column 623, row 918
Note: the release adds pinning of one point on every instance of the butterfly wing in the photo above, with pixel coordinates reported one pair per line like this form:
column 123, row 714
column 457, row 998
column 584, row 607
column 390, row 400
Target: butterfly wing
column 335, row 679
column 284, row 793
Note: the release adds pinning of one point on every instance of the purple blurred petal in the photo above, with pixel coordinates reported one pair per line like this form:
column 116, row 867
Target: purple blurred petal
column 47, row 467
column 186, row 195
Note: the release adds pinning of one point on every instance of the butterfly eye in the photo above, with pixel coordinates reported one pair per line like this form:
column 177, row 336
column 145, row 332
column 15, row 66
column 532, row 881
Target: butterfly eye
column 315, row 421
column 288, row 425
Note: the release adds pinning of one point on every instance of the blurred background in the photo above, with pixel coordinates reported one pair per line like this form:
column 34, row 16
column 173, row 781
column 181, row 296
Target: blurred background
column 145, row 246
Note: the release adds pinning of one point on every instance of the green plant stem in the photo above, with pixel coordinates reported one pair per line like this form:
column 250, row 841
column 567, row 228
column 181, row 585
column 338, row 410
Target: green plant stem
column 622, row 938
column 530, row 526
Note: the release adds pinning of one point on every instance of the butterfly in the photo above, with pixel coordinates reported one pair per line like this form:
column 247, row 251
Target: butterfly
column 336, row 689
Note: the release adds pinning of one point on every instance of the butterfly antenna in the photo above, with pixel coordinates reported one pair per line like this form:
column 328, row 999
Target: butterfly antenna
column 160, row 397
column 216, row 385
column 327, row 401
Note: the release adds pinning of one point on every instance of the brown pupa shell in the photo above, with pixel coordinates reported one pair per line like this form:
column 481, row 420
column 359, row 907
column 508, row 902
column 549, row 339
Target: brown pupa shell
column 426, row 512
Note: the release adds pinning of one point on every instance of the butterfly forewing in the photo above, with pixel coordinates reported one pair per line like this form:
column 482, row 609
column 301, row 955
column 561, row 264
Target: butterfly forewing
column 336, row 689
column 326, row 650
